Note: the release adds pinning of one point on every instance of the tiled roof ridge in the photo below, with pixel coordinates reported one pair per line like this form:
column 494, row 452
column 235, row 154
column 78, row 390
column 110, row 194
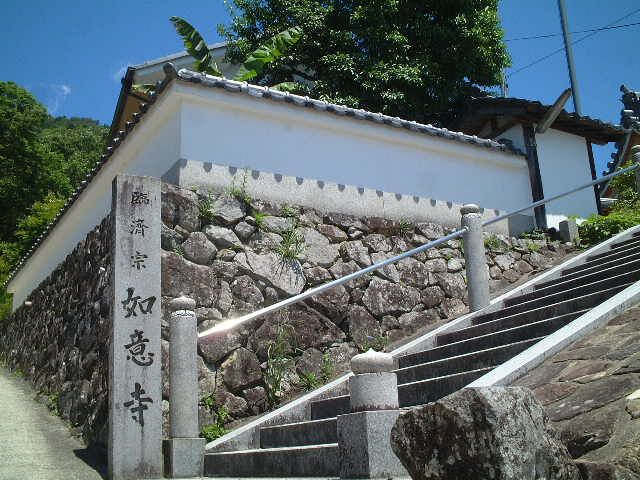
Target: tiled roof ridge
column 538, row 103
column 252, row 90
column 341, row 110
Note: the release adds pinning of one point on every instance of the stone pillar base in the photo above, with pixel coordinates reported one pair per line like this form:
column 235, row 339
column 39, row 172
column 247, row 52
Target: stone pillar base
column 184, row 457
column 364, row 440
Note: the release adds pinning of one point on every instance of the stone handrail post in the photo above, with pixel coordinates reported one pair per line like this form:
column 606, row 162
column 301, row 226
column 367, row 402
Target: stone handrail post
column 635, row 156
column 474, row 256
column 364, row 439
column 184, row 450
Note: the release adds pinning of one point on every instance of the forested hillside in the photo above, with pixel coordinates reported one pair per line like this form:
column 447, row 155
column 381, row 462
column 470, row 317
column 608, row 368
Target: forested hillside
column 42, row 160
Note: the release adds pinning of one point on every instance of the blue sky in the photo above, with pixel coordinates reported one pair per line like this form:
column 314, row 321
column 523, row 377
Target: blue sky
column 71, row 54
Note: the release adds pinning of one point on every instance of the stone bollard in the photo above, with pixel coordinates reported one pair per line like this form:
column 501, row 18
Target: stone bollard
column 568, row 230
column 364, row 435
column 635, row 157
column 184, row 451
column 475, row 261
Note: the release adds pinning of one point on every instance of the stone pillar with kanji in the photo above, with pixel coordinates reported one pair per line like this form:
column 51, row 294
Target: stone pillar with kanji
column 135, row 394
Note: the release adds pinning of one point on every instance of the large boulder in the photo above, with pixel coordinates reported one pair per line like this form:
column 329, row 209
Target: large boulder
column 241, row 370
column 301, row 327
column 317, row 249
column 386, row 298
column 180, row 207
column 285, row 275
column 182, row 276
column 222, row 237
column 355, row 251
column 198, row 249
column 500, row 433
column 228, row 210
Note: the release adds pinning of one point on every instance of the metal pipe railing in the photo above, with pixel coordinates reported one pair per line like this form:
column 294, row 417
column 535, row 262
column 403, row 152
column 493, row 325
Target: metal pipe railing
column 228, row 324
column 560, row 195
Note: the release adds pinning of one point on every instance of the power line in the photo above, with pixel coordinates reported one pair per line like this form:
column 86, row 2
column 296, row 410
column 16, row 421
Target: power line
column 535, row 37
column 551, row 54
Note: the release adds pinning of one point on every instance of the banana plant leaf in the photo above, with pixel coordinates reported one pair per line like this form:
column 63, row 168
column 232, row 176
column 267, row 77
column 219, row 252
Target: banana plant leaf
column 196, row 46
column 271, row 50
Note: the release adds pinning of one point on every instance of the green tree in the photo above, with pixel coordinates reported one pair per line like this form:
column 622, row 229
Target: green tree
column 42, row 159
column 416, row 59
column 21, row 121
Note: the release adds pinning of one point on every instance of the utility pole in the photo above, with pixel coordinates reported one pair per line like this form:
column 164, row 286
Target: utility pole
column 569, row 51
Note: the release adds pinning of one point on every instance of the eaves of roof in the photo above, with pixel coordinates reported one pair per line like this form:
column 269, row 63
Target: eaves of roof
column 257, row 92
column 479, row 110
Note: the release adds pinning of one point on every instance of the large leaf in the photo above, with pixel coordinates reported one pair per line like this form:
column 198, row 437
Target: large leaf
column 196, row 46
column 271, row 50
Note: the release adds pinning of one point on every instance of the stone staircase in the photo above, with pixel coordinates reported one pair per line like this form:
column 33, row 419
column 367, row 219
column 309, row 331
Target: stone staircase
column 310, row 448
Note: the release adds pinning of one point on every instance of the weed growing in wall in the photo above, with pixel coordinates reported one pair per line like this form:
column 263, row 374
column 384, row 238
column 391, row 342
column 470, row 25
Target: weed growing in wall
column 405, row 227
column 376, row 342
column 239, row 190
column 179, row 250
column 278, row 363
column 292, row 244
column 289, row 211
column 533, row 235
column 492, row 242
column 309, row 381
column 327, row 368
column 533, row 247
column 221, row 415
column 259, row 218
column 205, row 208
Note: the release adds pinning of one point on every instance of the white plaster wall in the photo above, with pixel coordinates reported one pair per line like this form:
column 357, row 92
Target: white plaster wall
column 150, row 150
column 234, row 129
column 210, row 125
column 564, row 164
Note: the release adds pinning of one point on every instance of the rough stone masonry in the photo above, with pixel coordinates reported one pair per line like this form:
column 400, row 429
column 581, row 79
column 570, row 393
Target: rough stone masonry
column 233, row 255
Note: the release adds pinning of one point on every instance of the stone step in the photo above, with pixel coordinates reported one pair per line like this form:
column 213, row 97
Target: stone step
column 588, row 267
column 627, row 241
column 447, row 366
column 425, row 391
column 620, row 252
column 579, row 295
column 330, row 407
column 586, row 284
column 313, row 432
column 496, row 339
column 595, row 273
column 633, row 245
column 304, row 461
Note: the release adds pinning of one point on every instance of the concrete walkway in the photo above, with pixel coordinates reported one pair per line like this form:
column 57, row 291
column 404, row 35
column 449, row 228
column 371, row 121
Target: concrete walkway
column 34, row 444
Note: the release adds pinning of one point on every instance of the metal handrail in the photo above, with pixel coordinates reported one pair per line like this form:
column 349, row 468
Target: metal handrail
column 228, row 324
column 560, row 195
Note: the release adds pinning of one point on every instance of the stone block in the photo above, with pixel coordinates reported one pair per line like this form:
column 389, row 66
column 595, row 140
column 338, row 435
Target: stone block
column 184, row 457
column 568, row 230
column 365, row 446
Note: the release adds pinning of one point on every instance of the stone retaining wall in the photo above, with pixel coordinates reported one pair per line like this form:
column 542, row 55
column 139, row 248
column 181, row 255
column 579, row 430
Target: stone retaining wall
column 234, row 255
column 61, row 342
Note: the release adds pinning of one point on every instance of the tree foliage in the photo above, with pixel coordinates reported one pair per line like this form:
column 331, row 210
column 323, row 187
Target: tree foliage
column 415, row 59
column 42, row 160
column 272, row 49
column 624, row 214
